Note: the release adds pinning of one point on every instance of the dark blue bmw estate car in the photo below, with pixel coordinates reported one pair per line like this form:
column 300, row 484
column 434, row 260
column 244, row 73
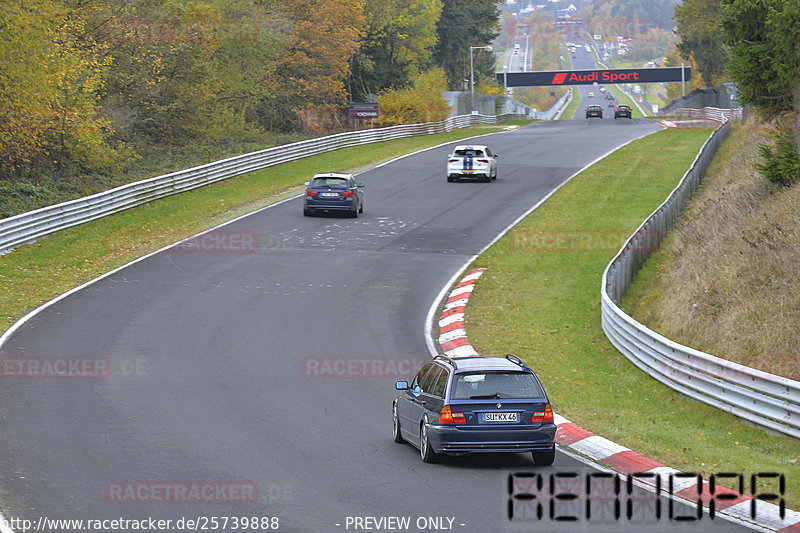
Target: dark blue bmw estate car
column 475, row 404
column 334, row 192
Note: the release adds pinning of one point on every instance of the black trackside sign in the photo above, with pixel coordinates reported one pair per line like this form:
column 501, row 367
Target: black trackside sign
column 363, row 110
column 590, row 77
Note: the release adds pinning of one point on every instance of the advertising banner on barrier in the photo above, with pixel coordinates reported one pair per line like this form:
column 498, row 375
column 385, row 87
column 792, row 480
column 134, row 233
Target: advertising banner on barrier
column 363, row 110
column 592, row 77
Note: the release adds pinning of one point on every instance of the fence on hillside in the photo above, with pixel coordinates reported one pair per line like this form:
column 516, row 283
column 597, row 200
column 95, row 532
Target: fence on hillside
column 759, row 397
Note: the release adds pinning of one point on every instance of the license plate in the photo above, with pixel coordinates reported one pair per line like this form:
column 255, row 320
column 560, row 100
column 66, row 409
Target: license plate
column 500, row 417
column 468, row 170
column 329, row 194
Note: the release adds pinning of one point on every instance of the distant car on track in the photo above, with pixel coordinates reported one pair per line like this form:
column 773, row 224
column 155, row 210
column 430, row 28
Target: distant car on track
column 475, row 404
column 594, row 111
column 333, row 191
column 623, row 111
column 591, row 94
column 472, row 161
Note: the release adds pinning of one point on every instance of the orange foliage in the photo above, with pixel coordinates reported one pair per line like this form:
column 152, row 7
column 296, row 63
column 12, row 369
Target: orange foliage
column 325, row 36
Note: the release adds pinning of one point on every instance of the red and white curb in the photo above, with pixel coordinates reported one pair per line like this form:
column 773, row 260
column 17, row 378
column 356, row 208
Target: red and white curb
column 455, row 343
column 452, row 335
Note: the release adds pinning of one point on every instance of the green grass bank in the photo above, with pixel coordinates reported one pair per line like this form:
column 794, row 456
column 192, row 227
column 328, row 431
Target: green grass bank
column 35, row 273
column 540, row 299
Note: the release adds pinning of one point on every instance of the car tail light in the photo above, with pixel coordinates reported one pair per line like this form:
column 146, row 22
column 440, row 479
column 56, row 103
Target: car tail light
column 347, row 194
column 453, row 160
column 311, row 193
column 542, row 417
column 483, row 160
column 448, row 417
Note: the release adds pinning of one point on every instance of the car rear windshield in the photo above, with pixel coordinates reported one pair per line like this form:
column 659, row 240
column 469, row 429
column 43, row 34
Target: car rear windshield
column 594, row 107
column 334, row 183
column 469, row 153
column 498, row 384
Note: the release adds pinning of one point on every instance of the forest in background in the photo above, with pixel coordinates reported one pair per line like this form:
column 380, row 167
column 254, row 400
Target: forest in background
column 94, row 93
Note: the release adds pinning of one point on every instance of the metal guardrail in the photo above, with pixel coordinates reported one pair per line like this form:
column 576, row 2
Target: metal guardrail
column 33, row 225
column 759, row 397
column 713, row 113
column 555, row 112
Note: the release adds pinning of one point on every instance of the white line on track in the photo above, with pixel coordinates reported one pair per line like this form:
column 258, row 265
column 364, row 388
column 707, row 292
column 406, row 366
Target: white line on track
column 430, row 319
column 4, row 524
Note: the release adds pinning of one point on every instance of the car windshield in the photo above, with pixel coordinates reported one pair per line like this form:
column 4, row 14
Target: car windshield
column 594, row 107
column 334, row 183
column 499, row 384
column 469, row 153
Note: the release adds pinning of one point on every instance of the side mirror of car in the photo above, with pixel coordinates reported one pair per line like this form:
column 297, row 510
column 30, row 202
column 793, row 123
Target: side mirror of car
column 401, row 385
column 307, row 183
column 360, row 185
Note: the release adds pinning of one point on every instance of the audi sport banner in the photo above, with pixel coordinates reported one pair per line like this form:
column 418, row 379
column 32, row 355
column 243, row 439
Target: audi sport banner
column 591, row 77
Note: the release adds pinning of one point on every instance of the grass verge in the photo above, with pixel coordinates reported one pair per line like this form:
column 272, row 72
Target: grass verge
column 569, row 112
column 624, row 99
column 727, row 279
column 35, row 273
column 540, row 299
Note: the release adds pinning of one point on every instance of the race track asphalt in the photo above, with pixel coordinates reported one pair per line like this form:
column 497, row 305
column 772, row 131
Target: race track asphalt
column 224, row 362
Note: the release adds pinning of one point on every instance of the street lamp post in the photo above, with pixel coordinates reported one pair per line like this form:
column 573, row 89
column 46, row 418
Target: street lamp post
column 505, row 87
column 472, row 77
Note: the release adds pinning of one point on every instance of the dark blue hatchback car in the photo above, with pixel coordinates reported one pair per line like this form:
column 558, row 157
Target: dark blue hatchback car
column 475, row 404
column 334, row 192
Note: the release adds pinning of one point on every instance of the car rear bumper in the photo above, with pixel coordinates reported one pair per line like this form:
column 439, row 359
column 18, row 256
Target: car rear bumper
column 459, row 174
column 348, row 205
column 452, row 439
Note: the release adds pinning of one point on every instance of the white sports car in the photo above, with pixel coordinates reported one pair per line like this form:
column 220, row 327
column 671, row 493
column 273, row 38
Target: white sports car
column 472, row 161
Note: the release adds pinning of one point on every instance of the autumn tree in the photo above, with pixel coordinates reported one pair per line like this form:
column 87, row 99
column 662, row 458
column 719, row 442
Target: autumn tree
column 397, row 44
column 698, row 24
column 51, row 75
column 422, row 102
column 764, row 59
column 466, row 23
column 314, row 64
